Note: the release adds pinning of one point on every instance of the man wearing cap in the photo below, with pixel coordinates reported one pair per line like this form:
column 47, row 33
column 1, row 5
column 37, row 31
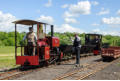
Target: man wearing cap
column 31, row 41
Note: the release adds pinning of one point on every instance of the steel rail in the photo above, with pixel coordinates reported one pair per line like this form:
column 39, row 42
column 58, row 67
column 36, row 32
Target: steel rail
column 83, row 69
column 75, row 71
column 93, row 72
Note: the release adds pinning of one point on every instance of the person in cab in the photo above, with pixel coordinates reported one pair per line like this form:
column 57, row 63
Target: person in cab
column 31, row 41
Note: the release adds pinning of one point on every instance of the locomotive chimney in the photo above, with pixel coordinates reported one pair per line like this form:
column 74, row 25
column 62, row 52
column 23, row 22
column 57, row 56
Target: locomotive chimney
column 52, row 32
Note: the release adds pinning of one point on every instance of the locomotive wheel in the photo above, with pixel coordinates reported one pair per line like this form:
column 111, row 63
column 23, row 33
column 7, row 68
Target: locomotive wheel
column 47, row 63
column 44, row 63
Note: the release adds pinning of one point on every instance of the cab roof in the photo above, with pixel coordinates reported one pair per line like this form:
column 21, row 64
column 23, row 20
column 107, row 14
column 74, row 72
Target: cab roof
column 28, row 22
column 94, row 34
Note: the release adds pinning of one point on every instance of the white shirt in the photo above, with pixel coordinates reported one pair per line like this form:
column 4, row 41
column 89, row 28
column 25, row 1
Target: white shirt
column 26, row 36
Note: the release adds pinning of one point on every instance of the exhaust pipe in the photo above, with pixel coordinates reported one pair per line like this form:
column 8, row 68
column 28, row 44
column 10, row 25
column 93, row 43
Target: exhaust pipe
column 52, row 32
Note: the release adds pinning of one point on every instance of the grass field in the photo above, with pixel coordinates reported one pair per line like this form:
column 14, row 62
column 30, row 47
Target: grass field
column 7, row 56
column 6, row 50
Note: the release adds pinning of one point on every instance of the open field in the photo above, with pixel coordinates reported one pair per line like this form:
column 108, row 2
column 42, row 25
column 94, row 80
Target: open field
column 8, row 50
column 7, row 59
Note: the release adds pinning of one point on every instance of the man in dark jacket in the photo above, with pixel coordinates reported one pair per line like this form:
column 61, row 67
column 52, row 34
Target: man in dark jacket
column 77, row 46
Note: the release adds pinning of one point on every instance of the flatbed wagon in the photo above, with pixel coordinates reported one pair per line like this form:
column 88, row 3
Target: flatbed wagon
column 110, row 52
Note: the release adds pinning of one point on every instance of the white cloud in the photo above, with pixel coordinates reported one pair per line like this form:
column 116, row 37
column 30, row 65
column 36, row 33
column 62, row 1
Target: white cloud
column 113, row 33
column 64, row 6
column 103, row 11
column 98, row 31
column 95, row 24
column 70, row 20
column 111, row 20
column 46, row 19
column 82, row 7
column 67, row 28
column 6, row 20
column 94, row 3
column 49, row 4
column 68, row 14
column 118, row 12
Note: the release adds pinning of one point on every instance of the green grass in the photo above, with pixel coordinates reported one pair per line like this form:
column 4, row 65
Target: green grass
column 8, row 50
column 7, row 56
column 7, row 62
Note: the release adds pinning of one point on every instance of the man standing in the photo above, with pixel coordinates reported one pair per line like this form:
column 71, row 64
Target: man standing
column 97, row 43
column 77, row 46
column 31, row 41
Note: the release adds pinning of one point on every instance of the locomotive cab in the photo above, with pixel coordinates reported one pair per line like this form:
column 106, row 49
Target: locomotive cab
column 94, row 40
column 47, row 47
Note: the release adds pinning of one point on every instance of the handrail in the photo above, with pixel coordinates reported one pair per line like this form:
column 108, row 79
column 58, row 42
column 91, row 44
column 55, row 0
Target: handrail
column 26, row 46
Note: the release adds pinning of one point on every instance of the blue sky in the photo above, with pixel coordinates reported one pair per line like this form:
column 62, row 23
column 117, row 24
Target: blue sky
column 98, row 16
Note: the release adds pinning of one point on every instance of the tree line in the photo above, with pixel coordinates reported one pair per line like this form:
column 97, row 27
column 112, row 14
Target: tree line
column 8, row 38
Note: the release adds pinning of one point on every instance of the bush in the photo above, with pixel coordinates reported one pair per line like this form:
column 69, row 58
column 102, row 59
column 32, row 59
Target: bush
column 8, row 39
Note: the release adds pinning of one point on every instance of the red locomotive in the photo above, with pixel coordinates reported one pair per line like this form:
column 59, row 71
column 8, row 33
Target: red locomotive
column 47, row 47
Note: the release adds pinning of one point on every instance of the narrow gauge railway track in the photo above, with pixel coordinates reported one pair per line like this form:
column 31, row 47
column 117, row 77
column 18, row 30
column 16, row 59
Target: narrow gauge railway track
column 73, row 72
column 8, row 72
column 16, row 72
column 96, row 70
column 82, row 73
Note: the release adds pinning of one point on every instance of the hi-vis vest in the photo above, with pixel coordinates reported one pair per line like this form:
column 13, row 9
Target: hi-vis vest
column 30, row 37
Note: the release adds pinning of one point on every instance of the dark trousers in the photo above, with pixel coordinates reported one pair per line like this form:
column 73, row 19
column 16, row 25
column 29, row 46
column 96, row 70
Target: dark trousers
column 77, row 51
column 31, row 48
